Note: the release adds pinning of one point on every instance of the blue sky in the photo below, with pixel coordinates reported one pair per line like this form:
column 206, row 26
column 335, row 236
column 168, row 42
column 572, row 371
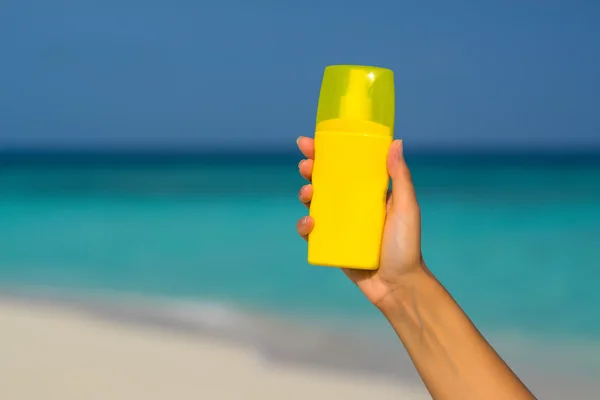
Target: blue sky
column 246, row 74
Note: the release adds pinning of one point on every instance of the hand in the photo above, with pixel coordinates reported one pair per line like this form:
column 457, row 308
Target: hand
column 401, row 243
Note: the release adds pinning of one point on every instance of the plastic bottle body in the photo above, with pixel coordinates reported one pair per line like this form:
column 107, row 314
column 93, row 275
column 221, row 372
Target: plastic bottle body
column 350, row 184
column 354, row 130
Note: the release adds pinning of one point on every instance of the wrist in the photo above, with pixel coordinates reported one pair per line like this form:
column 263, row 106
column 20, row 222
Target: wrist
column 402, row 298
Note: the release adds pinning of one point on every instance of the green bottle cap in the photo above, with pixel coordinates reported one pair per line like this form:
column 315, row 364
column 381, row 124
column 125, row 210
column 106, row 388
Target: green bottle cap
column 357, row 93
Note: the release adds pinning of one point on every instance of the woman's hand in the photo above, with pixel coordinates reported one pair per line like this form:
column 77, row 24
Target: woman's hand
column 401, row 244
column 452, row 357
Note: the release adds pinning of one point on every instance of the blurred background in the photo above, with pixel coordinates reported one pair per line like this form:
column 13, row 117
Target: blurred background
column 147, row 151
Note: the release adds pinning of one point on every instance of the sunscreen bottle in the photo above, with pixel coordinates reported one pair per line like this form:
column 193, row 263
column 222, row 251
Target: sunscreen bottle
column 354, row 131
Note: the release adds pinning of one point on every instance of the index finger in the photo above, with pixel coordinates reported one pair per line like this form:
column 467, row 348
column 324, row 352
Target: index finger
column 307, row 147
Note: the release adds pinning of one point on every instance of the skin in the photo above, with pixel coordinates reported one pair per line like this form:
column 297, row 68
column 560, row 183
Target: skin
column 453, row 359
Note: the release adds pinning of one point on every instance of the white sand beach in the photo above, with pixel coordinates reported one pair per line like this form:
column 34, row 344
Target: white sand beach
column 49, row 352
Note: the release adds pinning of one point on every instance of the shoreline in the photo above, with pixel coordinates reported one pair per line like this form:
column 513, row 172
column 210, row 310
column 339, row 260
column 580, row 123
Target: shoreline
column 278, row 341
column 66, row 352
column 270, row 343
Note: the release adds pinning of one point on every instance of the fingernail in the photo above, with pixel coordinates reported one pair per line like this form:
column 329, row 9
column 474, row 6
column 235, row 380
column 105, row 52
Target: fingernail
column 300, row 163
column 301, row 190
column 298, row 140
column 304, row 220
column 400, row 149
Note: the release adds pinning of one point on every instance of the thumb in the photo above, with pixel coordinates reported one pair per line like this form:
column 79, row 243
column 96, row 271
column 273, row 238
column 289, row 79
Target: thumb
column 404, row 199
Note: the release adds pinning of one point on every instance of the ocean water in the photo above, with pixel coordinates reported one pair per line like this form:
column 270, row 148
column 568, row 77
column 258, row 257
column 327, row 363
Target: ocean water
column 515, row 238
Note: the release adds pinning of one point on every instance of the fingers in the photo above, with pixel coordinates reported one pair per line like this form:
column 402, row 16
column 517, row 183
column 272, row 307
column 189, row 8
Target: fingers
column 306, row 167
column 404, row 199
column 307, row 147
column 304, row 226
column 305, row 194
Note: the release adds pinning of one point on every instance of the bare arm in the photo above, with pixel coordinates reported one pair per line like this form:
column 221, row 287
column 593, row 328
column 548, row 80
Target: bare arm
column 452, row 357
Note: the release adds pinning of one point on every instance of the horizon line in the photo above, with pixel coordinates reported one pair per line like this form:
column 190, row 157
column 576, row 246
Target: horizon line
column 195, row 156
column 177, row 151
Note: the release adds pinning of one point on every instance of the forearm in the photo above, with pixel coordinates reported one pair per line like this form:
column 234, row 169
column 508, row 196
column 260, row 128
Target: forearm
column 451, row 356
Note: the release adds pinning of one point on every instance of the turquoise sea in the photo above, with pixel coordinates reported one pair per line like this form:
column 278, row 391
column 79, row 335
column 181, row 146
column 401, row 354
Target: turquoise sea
column 514, row 237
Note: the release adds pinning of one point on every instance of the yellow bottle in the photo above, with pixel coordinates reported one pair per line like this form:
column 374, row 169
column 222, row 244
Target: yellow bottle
column 354, row 130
